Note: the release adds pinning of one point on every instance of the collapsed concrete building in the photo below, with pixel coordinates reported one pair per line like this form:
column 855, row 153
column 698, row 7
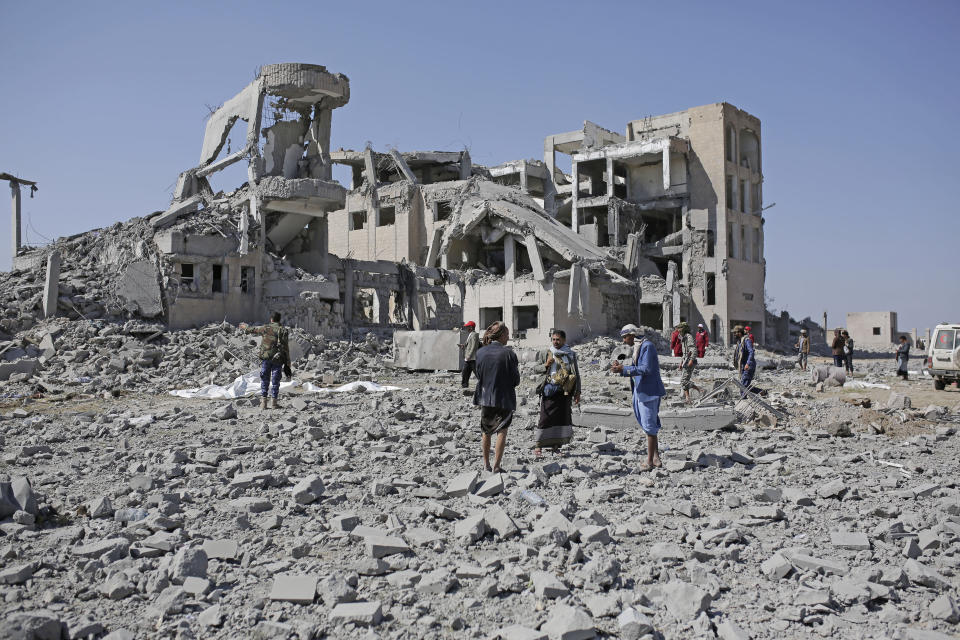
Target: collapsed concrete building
column 651, row 227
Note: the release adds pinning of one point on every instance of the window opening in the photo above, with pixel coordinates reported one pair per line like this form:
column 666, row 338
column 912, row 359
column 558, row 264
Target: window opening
column 525, row 317
column 357, row 220
column 711, row 291
column 711, row 243
column 489, row 315
column 186, row 273
column 729, row 185
column 388, row 216
column 876, row 331
column 247, row 275
column 219, row 278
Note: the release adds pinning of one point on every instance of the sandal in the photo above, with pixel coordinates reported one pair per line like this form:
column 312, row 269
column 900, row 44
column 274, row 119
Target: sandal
column 498, row 470
column 486, row 467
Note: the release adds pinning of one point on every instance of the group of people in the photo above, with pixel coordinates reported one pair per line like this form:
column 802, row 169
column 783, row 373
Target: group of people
column 498, row 375
column 842, row 349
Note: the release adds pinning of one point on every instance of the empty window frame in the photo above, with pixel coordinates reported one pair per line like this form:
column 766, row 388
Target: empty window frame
column 358, row 219
column 711, row 243
column 711, row 289
column 744, row 249
column 247, row 279
column 219, row 278
column 489, row 315
column 876, row 331
column 730, row 245
column 186, row 273
column 388, row 216
column 744, row 197
column 729, row 189
column 756, row 244
column 525, row 317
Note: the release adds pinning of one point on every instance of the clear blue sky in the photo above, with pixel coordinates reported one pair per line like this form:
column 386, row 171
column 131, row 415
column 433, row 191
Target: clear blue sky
column 104, row 104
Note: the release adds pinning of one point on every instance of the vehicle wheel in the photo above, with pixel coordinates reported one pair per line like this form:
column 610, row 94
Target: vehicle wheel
column 939, row 385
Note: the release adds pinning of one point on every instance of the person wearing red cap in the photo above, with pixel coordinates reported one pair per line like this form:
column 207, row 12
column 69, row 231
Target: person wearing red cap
column 749, row 333
column 469, row 353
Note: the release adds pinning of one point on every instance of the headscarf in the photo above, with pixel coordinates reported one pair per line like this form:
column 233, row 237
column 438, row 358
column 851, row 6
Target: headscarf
column 493, row 332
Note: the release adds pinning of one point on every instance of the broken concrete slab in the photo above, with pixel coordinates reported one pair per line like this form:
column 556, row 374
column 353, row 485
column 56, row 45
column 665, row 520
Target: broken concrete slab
column 698, row 418
column 427, row 350
column 300, row 589
column 51, row 286
column 139, row 289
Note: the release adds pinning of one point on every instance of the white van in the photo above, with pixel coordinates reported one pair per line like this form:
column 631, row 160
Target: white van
column 943, row 356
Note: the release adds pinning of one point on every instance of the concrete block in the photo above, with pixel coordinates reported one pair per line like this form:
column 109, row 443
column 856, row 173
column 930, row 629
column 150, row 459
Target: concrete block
column 776, row 567
column 633, row 624
column 308, row 490
column 944, row 608
column 294, row 588
column 364, row 613
column 16, row 574
column 500, row 522
column 698, row 418
column 427, row 350
column 51, row 286
column 470, row 529
column 855, row 540
column 616, row 418
column 381, row 546
column 729, row 630
column 569, row 623
column 685, row 601
column 828, row 566
column 176, row 210
column 462, row 484
column 491, row 486
column 547, row 585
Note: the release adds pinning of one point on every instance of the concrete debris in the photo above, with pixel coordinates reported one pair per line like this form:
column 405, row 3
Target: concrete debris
column 126, row 512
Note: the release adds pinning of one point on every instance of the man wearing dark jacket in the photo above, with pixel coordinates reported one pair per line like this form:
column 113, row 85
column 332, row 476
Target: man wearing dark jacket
column 498, row 374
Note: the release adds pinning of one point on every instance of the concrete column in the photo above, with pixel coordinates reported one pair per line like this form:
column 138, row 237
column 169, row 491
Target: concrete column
column 509, row 257
column 348, row 293
column 523, row 177
column 574, row 211
column 666, row 166
column 15, row 231
column 608, row 177
column 319, row 244
column 51, row 288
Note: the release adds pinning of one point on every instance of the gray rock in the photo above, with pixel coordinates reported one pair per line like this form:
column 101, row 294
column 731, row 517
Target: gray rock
column 211, row 616
column 922, row 574
column 364, row 613
column 334, row 590
column 437, row 581
column 832, row 489
column 382, row 546
column 633, row 624
column 491, row 486
column 226, row 412
column 31, row 625
column 462, row 484
column 944, row 608
column 850, row 540
column 568, row 623
column 308, row 490
column 826, row 565
column 500, row 522
column 685, row 601
column 100, row 507
column 288, row 587
column 547, row 585
column 117, row 587
column 518, row 632
column 170, row 601
column 729, row 630
column 112, row 546
column 470, row 529
column 17, row 574
column 221, row 549
column 186, row 563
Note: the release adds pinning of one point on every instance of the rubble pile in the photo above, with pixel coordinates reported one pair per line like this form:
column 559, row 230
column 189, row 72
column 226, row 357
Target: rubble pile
column 362, row 515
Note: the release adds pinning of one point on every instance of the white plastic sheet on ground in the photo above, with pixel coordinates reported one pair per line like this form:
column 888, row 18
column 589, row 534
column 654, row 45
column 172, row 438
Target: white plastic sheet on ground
column 249, row 384
column 860, row 384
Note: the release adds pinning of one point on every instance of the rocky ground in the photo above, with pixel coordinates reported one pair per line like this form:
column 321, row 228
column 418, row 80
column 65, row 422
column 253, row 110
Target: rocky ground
column 132, row 513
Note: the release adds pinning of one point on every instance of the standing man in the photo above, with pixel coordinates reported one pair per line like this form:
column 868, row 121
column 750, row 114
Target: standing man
column 560, row 389
column 647, row 388
column 498, row 374
column 743, row 358
column 469, row 353
column 703, row 341
column 274, row 357
column 837, row 348
column 847, row 351
column 688, row 362
column 903, row 357
column 675, row 346
column 803, row 349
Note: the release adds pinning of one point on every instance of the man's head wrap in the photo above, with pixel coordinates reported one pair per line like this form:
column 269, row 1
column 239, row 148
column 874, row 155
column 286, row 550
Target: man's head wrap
column 494, row 332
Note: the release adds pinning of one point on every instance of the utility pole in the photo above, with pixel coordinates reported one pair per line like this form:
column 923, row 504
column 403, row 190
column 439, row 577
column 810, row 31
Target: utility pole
column 15, row 183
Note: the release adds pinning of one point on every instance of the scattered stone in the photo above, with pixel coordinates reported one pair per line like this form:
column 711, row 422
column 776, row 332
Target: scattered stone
column 568, row 623
column 300, row 589
column 364, row 613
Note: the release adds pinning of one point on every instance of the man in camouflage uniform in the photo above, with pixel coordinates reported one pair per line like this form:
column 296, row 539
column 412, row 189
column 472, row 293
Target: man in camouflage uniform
column 688, row 361
column 274, row 357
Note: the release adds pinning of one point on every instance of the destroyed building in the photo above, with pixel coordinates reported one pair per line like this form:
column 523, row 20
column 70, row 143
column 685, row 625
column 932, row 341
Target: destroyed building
column 659, row 225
